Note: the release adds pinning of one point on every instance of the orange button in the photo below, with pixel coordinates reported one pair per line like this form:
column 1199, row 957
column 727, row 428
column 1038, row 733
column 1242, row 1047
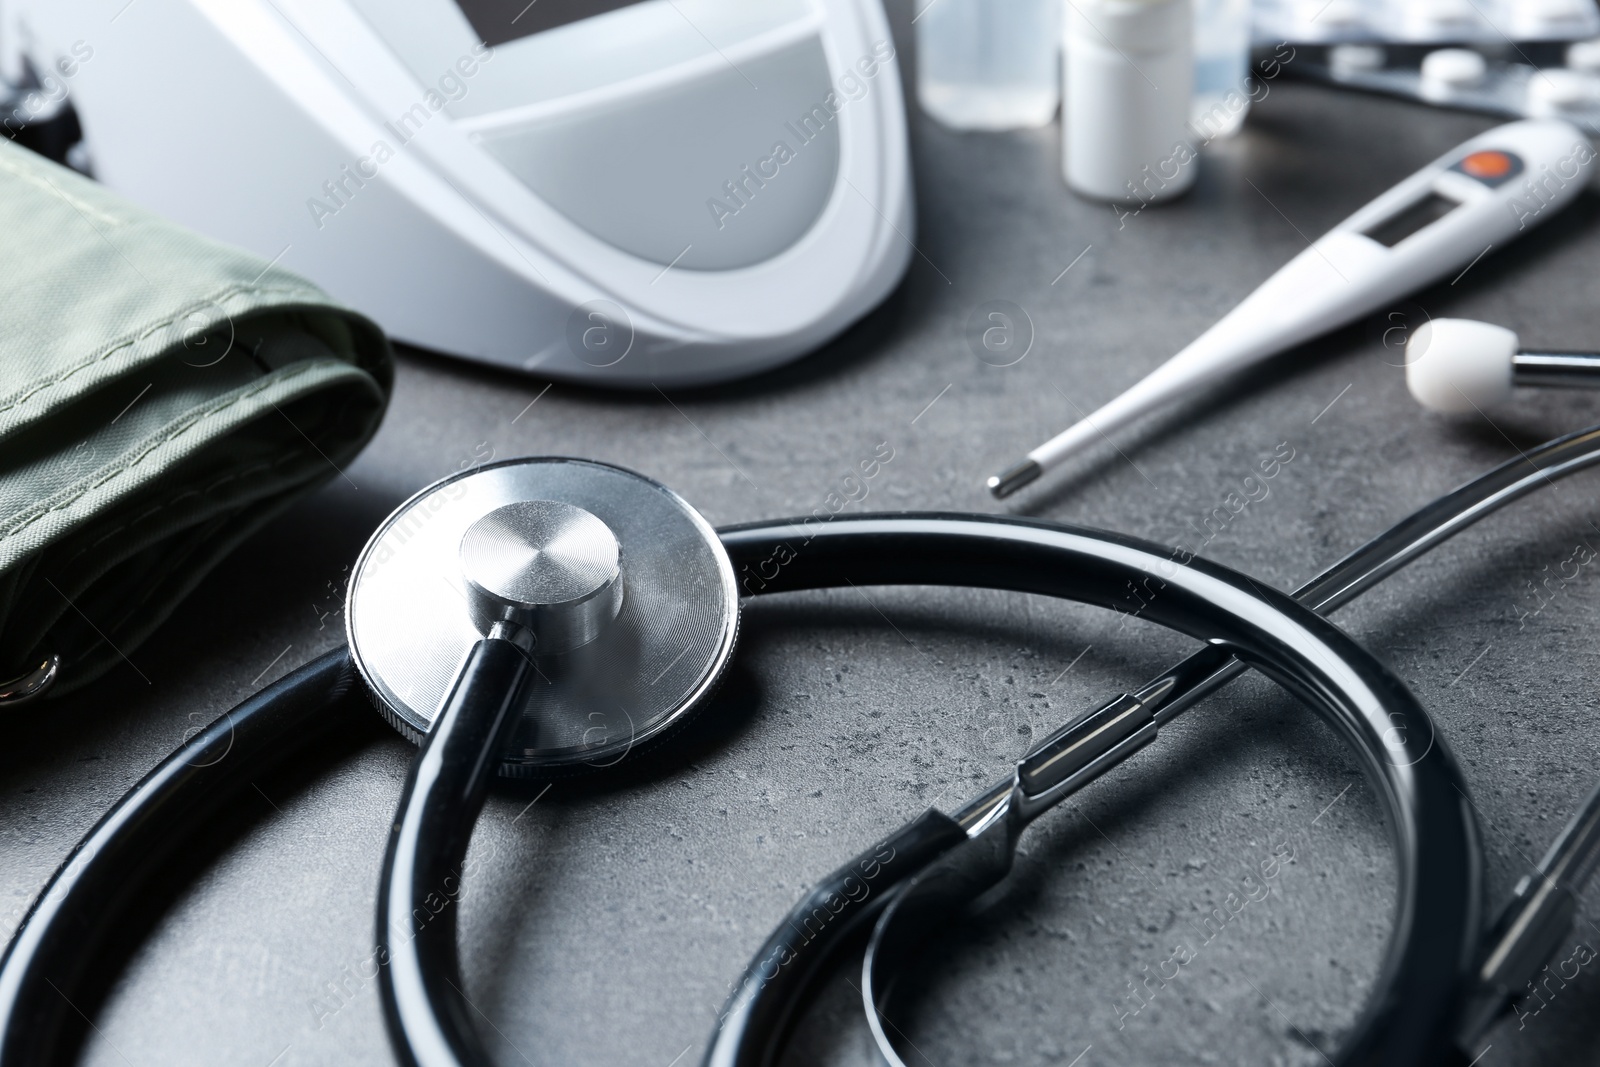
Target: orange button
column 1486, row 165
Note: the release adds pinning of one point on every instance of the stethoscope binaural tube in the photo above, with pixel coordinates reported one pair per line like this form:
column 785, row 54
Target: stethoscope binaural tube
column 1412, row 1005
column 754, row 1020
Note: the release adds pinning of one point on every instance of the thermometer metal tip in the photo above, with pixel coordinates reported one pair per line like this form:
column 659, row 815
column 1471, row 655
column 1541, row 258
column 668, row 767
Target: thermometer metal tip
column 1013, row 478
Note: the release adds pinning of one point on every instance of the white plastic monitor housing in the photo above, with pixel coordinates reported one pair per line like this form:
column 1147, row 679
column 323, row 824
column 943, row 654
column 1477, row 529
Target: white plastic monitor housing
column 665, row 191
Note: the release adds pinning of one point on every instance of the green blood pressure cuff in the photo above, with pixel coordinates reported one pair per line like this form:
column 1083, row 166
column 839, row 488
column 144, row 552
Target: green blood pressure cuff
column 161, row 397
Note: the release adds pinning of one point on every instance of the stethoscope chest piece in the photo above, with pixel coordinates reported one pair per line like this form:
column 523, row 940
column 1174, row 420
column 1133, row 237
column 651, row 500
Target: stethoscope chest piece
column 619, row 590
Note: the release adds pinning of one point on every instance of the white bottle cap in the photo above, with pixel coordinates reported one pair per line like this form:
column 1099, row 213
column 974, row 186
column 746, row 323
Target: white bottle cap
column 1456, row 366
column 1136, row 27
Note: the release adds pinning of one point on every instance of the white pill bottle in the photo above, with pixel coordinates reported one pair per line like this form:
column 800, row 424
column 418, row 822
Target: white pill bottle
column 1127, row 80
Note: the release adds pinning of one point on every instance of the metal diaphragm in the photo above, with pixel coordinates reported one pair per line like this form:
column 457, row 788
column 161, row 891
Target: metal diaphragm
column 532, row 533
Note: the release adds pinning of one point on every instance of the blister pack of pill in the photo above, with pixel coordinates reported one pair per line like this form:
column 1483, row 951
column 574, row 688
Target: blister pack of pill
column 1424, row 21
column 1518, row 80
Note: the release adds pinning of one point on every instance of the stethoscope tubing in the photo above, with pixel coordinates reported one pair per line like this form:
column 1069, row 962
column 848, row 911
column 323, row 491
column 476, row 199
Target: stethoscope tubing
column 753, row 1022
column 1411, row 1007
column 70, row 920
column 88, row 897
column 428, row 1013
column 1538, row 916
column 430, row 1022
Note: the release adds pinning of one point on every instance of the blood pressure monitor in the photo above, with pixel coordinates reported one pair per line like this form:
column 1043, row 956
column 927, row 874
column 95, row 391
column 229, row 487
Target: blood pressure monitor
column 624, row 193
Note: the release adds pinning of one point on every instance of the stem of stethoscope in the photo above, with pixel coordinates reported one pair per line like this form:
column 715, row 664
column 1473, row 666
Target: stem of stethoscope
column 540, row 576
column 429, row 1017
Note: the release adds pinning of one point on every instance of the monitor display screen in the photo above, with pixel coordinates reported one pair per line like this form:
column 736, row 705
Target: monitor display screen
column 499, row 21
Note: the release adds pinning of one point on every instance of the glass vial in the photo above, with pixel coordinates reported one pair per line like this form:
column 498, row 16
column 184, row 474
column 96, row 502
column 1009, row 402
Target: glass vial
column 988, row 64
column 1221, row 67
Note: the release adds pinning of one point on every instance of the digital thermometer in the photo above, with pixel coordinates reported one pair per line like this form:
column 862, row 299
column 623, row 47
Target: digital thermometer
column 1479, row 196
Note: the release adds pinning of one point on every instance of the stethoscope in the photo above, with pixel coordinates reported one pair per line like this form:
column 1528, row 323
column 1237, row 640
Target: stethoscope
column 548, row 616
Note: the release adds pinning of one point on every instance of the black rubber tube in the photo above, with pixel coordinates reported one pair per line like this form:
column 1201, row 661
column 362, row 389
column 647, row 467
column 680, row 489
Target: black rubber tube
column 779, row 979
column 61, row 936
column 429, row 1018
column 1409, row 1013
column 1439, row 867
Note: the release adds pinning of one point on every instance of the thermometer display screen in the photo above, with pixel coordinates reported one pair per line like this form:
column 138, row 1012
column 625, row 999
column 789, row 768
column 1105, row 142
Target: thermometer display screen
column 499, row 21
column 1411, row 218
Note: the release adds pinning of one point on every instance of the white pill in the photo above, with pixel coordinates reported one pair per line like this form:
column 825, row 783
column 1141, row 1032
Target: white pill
column 1585, row 56
column 1555, row 91
column 1346, row 60
column 1447, row 69
column 1548, row 19
column 1332, row 16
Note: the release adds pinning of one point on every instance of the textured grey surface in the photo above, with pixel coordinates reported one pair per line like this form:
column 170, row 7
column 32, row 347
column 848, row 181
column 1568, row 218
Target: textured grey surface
column 603, row 926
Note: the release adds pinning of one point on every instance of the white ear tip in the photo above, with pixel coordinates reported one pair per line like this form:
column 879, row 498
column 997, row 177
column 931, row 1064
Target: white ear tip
column 1457, row 366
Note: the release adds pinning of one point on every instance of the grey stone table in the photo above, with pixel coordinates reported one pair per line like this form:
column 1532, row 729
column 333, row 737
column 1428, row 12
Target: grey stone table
column 603, row 924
